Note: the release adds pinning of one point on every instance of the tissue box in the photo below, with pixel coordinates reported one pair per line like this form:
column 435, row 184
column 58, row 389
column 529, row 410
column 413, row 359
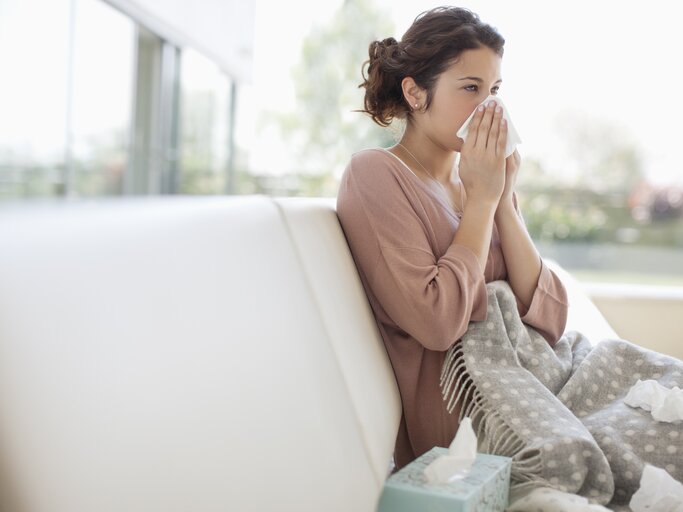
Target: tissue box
column 484, row 489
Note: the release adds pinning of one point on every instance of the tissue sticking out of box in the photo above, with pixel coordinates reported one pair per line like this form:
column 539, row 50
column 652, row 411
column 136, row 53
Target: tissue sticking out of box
column 663, row 403
column 461, row 455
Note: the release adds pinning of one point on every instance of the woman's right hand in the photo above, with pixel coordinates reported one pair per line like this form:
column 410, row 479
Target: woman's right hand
column 482, row 157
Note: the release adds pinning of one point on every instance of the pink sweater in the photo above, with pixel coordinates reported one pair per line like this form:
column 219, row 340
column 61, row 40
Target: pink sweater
column 423, row 288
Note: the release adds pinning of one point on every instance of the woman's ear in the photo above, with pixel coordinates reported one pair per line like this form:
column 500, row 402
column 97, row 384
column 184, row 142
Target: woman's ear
column 413, row 93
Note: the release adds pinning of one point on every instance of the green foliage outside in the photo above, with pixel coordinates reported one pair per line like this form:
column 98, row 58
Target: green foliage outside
column 323, row 131
column 580, row 214
column 594, row 205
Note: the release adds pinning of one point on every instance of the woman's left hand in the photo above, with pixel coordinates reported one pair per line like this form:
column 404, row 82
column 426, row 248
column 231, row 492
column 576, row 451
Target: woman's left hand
column 512, row 164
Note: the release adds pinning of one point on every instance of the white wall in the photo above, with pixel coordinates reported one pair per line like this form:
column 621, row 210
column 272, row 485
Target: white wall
column 651, row 317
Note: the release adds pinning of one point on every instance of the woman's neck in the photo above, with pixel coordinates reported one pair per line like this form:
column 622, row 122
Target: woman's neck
column 422, row 151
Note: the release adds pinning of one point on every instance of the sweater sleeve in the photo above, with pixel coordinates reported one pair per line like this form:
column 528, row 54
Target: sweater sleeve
column 547, row 312
column 431, row 298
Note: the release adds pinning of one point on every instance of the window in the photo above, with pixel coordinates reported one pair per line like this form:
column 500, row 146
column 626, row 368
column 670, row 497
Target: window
column 205, row 104
column 90, row 103
column 102, row 98
column 66, row 107
column 33, row 98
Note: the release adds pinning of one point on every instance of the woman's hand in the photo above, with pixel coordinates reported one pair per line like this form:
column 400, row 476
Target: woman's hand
column 482, row 157
column 512, row 164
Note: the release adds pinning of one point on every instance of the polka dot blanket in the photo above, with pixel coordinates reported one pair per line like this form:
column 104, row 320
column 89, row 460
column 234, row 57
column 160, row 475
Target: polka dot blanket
column 559, row 411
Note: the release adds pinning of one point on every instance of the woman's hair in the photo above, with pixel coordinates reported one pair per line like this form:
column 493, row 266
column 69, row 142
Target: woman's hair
column 432, row 43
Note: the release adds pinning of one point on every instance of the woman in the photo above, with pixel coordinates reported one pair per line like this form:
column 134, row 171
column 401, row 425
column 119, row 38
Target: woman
column 427, row 234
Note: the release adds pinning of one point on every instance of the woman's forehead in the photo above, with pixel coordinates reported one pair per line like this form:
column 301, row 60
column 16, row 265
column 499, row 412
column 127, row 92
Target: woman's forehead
column 481, row 63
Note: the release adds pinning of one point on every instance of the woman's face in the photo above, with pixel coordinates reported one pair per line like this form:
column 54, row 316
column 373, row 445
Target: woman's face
column 456, row 95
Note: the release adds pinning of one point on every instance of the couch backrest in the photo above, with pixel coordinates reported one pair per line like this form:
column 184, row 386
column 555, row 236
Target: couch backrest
column 351, row 326
column 204, row 354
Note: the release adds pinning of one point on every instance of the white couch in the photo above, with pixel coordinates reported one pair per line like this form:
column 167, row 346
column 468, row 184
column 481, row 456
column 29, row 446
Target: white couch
column 193, row 354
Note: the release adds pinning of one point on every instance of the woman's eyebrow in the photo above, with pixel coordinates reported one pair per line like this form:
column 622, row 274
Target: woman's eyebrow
column 478, row 79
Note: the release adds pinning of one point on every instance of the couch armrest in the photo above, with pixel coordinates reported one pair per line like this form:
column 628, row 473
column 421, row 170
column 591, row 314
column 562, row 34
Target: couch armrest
column 583, row 315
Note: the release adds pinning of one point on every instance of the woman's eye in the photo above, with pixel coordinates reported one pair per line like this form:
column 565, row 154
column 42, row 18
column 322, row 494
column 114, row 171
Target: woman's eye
column 494, row 91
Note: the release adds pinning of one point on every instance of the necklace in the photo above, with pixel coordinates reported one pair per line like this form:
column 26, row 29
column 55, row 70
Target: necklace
column 462, row 207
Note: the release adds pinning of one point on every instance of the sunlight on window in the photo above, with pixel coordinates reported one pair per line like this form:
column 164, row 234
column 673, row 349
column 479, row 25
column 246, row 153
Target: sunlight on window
column 33, row 94
column 102, row 97
column 65, row 120
column 204, row 104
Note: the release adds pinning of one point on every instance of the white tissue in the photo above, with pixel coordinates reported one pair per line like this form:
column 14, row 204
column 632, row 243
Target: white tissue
column 658, row 492
column 547, row 499
column 665, row 404
column 461, row 455
column 513, row 136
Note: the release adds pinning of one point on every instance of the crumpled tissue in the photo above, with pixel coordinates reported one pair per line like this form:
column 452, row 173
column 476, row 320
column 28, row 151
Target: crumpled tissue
column 513, row 136
column 461, row 455
column 658, row 492
column 664, row 404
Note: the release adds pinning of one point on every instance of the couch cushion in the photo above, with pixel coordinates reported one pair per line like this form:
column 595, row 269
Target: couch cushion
column 168, row 354
column 332, row 275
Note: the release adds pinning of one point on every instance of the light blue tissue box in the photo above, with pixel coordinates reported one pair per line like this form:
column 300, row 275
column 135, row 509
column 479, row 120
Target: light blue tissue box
column 484, row 489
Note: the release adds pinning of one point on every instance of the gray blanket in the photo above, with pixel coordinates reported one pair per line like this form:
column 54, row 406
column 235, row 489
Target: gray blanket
column 560, row 412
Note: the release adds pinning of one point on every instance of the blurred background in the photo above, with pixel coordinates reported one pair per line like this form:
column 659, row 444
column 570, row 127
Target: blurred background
column 146, row 97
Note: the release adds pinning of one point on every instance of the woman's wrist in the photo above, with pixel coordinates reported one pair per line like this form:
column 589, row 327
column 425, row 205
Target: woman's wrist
column 475, row 228
column 506, row 206
column 481, row 205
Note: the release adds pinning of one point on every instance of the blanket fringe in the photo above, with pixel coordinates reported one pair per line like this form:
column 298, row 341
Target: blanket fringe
column 498, row 437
